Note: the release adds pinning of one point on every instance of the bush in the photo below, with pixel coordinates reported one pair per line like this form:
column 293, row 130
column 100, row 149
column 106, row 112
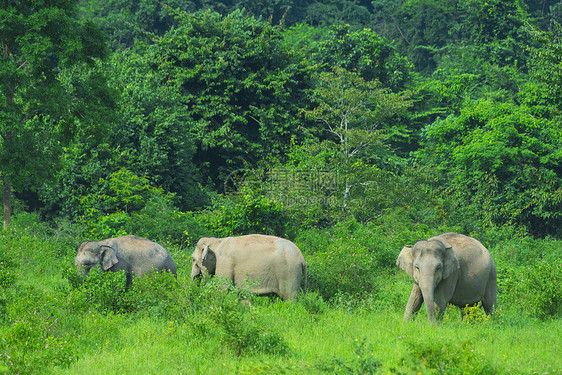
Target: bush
column 32, row 340
column 534, row 290
column 363, row 361
column 446, row 357
column 162, row 222
column 346, row 260
column 245, row 213
column 313, row 303
column 99, row 291
column 159, row 295
column 234, row 321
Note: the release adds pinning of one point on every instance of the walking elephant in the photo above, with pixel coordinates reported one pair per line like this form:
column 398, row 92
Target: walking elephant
column 135, row 255
column 449, row 268
column 271, row 265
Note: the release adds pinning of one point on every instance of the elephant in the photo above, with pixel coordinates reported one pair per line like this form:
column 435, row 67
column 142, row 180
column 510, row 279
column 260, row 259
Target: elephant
column 449, row 268
column 269, row 264
column 135, row 255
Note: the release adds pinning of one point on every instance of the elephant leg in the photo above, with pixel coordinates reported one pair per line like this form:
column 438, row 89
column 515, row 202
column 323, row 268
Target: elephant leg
column 414, row 302
column 128, row 280
column 441, row 307
column 491, row 294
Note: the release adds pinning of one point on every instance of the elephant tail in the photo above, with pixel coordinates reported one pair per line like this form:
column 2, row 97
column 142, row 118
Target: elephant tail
column 304, row 271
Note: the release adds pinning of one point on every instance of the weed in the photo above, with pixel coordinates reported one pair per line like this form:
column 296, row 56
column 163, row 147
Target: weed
column 534, row 290
column 363, row 361
column 313, row 303
column 446, row 357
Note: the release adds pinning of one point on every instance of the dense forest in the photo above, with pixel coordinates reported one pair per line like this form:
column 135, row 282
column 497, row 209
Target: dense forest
column 442, row 111
column 350, row 127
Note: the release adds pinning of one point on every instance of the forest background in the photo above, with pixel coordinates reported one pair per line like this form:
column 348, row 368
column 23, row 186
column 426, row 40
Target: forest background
column 350, row 127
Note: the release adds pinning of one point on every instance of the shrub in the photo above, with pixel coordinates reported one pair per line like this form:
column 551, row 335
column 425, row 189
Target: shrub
column 234, row 321
column 162, row 222
column 446, row 357
column 342, row 268
column 99, row 291
column 534, row 290
column 159, row 295
column 475, row 315
column 244, row 213
column 345, row 260
column 363, row 361
column 313, row 303
column 32, row 340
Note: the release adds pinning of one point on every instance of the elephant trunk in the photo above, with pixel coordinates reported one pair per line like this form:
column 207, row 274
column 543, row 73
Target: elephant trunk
column 427, row 287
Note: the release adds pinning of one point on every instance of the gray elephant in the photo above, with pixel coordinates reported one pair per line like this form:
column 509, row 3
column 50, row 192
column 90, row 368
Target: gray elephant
column 135, row 255
column 271, row 265
column 449, row 268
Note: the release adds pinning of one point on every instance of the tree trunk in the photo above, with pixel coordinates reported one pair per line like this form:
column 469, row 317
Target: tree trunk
column 7, row 202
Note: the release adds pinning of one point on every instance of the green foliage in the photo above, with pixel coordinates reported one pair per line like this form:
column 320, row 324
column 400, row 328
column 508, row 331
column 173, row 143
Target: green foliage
column 212, row 309
column 99, row 291
column 345, row 260
column 39, row 41
column 365, row 53
column 447, row 357
column 127, row 22
column 500, row 162
column 241, row 87
column 159, row 295
column 245, row 213
column 546, row 64
column 8, row 265
column 475, row 315
column 313, row 302
column 238, row 328
column 30, row 339
column 534, row 290
column 425, row 27
column 109, row 214
column 362, row 362
column 153, row 132
column 495, row 29
column 162, row 222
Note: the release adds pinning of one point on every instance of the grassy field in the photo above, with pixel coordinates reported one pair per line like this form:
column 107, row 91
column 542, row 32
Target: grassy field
column 324, row 344
column 53, row 323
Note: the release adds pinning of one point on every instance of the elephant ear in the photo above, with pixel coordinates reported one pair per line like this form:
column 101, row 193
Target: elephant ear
column 109, row 258
column 406, row 260
column 205, row 253
column 451, row 262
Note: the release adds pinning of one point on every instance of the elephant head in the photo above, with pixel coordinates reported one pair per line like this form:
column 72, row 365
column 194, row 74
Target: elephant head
column 203, row 259
column 431, row 263
column 90, row 254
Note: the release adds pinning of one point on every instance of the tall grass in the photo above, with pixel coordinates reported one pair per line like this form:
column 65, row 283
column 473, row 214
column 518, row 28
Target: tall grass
column 54, row 323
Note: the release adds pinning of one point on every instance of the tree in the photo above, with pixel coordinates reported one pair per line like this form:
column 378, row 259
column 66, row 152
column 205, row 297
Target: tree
column 352, row 110
column 366, row 53
column 499, row 162
column 425, row 27
column 126, row 22
column 239, row 85
column 154, row 129
column 38, row 41
column 494, row 27
column 349, row 171
column 547, row 63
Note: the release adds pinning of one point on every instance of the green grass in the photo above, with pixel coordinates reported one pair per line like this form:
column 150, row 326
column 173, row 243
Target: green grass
column 151, row 346
column 48, row 327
